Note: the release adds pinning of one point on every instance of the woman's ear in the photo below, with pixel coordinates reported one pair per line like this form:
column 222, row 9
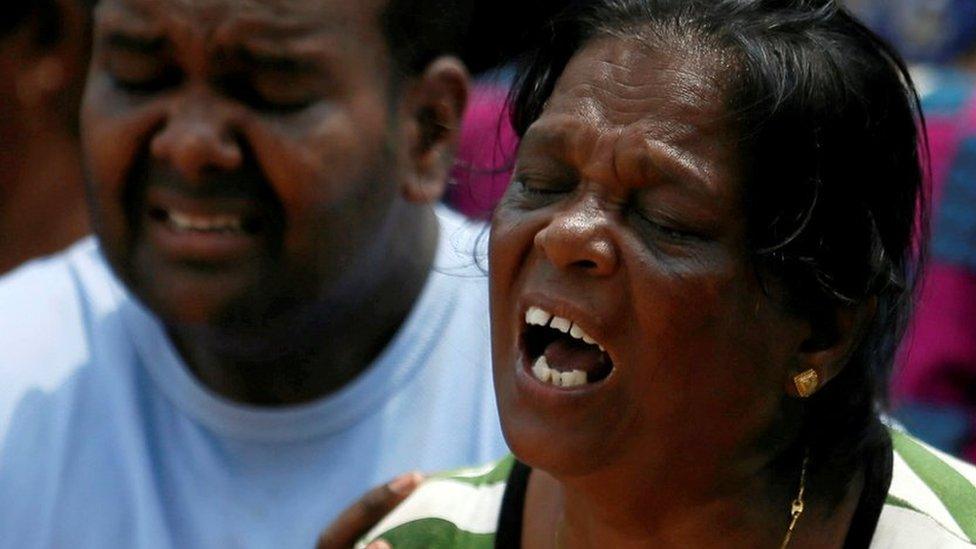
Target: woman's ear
column 432, row 111
column 833, row 337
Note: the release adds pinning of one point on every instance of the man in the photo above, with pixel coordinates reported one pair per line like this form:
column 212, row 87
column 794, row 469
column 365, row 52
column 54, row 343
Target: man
column 273, row 317
column 43, row 55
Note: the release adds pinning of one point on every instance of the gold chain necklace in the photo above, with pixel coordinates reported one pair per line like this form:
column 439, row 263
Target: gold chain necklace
column 796, row 509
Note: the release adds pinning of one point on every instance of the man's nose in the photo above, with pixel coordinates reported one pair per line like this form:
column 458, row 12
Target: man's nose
column 579, row 238
column 198, row 136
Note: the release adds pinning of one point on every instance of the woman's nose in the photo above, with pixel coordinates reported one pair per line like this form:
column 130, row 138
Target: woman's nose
column 197, row 137
column 579, row 238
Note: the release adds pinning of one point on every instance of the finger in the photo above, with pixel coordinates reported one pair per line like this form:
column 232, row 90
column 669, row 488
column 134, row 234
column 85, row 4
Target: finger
column 379, row 544
column 358, row 518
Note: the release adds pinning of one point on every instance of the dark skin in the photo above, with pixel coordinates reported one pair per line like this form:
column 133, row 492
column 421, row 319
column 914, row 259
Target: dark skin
column 42, row 205
column 260, row 181
column 625, row 217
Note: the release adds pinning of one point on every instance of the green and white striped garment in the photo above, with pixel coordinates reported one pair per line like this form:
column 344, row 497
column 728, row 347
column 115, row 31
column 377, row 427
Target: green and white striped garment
column 456, row 509
column 931, row 504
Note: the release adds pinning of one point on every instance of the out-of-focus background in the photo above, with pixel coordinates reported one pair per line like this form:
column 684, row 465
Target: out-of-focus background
column 934, row 393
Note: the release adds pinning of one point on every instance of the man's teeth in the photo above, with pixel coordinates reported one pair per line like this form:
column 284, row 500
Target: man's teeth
column 537, row 317
column 188, row 222
column 545, row 374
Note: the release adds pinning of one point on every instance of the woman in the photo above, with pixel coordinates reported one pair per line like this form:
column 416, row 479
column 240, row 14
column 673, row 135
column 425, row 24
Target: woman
column 699, row 276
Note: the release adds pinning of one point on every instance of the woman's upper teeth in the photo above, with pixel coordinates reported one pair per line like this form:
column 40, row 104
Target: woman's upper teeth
column 538, row 317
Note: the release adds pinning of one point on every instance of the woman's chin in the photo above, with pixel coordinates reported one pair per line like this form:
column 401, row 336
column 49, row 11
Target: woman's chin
column 556, row 447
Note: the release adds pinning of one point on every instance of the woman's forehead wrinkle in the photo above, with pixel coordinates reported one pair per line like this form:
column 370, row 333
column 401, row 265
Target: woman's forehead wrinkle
column 640, row 116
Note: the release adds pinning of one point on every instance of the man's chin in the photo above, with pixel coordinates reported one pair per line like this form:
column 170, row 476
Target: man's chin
column 197, row 299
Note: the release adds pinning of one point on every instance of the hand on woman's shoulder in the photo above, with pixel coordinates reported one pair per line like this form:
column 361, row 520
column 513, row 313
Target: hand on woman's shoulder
column 457, row 509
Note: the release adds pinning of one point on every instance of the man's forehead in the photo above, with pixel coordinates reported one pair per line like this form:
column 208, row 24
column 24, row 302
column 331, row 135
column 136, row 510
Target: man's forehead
column 269, row 17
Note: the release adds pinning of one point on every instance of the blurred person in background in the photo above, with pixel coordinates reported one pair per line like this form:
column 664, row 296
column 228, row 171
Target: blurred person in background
column 486, row 148
column 43, row 58
column 935, row 390
column 487, row 142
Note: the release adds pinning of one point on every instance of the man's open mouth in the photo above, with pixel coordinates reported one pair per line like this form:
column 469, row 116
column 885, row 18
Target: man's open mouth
column 187, row 222
column 560, row 352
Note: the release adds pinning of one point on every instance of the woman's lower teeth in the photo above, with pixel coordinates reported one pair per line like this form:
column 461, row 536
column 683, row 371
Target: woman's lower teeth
column 545, row 374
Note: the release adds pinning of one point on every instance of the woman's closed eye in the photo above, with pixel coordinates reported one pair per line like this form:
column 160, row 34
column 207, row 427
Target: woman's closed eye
column 534, row 192
column 668, row 229
column 544, row 185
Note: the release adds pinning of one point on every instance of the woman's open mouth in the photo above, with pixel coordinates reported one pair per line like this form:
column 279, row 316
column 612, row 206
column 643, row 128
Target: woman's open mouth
column 560, row 353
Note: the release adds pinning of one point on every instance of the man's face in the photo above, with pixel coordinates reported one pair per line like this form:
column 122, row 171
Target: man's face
column 238, row 152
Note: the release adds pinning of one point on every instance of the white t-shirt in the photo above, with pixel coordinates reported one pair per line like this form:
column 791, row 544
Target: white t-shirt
column 107, row 440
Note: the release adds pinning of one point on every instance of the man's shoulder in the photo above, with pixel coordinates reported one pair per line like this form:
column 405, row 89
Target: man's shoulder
column 463, row 248
column 55, row 289
column 455, row 509
column 48, row 308
column 931, row 501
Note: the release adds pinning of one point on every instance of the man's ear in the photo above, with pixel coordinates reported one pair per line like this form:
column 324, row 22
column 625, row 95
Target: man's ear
column 834, row 335
column 431, row 112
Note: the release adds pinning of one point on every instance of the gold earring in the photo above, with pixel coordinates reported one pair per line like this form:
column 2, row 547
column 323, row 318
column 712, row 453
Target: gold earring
column 806, row 382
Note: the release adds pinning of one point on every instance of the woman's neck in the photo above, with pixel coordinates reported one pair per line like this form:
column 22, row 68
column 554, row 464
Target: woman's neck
column 600, row 511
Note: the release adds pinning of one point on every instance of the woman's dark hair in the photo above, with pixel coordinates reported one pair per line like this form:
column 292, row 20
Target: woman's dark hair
column 833, row 185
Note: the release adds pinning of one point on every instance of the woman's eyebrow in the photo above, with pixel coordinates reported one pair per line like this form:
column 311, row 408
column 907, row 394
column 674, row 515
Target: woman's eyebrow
column 657, row 159
column 675, row 165
column 553, row 137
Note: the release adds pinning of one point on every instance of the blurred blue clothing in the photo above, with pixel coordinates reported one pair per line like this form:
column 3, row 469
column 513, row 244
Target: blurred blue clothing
column 923, row 31
column 935, row 386
column 107, row 440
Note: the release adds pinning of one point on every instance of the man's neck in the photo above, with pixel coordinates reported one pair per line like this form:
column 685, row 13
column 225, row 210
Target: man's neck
column 318, row 350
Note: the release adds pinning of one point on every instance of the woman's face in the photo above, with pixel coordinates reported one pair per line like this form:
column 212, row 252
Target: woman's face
column 624, row 226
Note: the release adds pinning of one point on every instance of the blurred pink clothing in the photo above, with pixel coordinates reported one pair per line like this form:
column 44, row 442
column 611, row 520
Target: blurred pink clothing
column 486, row 153
column 938, row 360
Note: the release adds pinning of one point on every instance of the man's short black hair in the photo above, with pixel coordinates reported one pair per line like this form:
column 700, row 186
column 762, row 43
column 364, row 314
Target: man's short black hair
column 483, row 33
column 418, row 31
